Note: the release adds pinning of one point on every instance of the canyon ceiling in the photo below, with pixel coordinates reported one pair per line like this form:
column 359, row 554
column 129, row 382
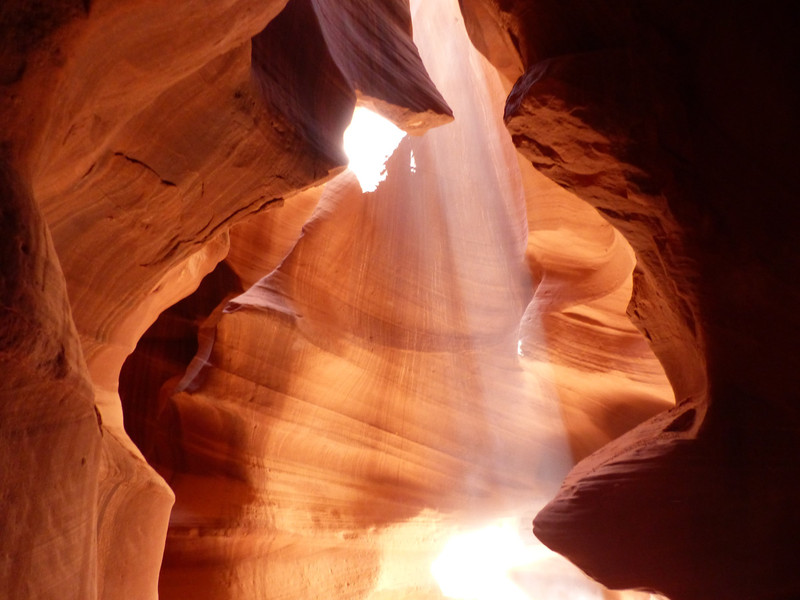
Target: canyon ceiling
column 227, row 372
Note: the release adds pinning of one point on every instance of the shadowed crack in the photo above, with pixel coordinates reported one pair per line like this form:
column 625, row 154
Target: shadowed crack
column 146, row 166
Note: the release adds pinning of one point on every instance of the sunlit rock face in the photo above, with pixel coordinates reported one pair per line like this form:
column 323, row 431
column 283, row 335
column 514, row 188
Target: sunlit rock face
column 140, row 133
column 642, row 110
column 404, row 372
column 370, row 392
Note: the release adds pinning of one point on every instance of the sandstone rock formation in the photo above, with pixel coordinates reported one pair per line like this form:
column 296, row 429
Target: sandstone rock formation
column 49, row 428
column 141, row 133
column 398, row 408
column 329, row 384
column 674, row 122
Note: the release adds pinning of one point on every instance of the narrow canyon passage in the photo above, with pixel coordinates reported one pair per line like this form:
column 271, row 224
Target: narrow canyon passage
column 364, row 411
column 231, row 369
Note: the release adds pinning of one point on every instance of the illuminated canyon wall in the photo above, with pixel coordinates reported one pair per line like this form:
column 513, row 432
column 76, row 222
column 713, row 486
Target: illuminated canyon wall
column 339, row 393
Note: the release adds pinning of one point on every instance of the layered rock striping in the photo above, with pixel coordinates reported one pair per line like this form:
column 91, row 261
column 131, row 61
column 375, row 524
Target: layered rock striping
column 402, row 365
column 653, row 113
column 140, row 134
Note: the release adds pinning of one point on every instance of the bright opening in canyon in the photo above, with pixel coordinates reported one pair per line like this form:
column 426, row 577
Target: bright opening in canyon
column 369, row 141
column 233, row 369
column 476, row 565
column 479, row 564
column 403, row 365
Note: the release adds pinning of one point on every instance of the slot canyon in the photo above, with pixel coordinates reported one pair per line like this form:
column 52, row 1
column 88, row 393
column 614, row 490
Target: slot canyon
column 539, row 345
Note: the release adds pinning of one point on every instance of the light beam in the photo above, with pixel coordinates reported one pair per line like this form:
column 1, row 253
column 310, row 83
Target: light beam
column 494, row 563
column 369, row 141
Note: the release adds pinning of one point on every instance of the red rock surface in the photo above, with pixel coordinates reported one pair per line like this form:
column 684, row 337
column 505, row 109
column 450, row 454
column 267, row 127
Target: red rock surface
column 397, row 410
column 50, row 433
column 407, row 364
column 140, row 135
column 674, row 122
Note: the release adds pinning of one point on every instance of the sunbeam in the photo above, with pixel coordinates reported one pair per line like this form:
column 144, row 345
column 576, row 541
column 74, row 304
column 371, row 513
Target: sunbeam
column 369, row 141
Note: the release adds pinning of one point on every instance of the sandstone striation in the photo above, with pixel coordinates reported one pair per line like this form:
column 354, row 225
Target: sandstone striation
column 365, row 427
column 49, row 428
column 653, row 113
column 140, row 132
column 226, row 372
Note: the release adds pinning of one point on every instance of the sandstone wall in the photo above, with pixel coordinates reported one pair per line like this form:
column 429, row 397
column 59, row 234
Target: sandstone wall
column 674, row 121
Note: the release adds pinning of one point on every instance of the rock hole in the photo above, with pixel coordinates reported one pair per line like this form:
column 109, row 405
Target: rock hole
column 682, row 422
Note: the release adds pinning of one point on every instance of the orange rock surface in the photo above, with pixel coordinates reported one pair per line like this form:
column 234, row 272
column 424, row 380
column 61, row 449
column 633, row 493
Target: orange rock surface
column 642, row 110
column 227, row 372
column 370, row 388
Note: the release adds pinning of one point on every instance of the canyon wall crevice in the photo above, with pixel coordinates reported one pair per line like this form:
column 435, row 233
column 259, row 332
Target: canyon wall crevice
column 675, row 122
column 400, row 366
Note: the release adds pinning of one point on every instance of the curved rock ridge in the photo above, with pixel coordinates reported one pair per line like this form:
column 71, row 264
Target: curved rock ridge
column 371, row 42
column 575, row 332
column 351, row 50
column 640, row 110
column 599, row 161
column 367, row 397
column 50, row 435
column 405, row 365
column 260, row 243
column 141, row 135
